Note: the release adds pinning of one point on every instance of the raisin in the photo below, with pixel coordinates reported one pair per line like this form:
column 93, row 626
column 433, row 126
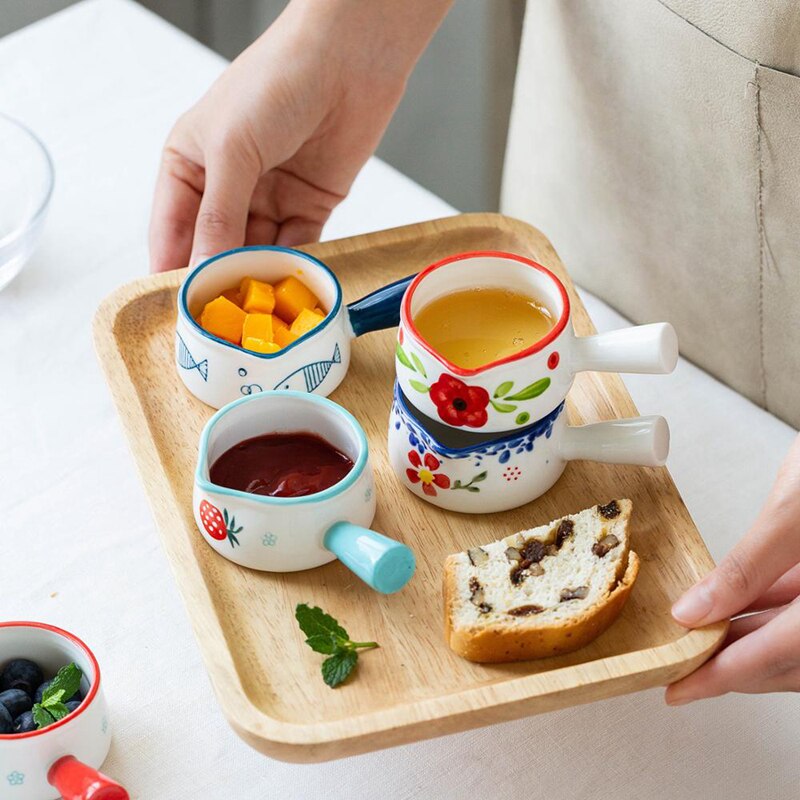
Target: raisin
column 564, row 531
column 525, row 611
column 609, row 511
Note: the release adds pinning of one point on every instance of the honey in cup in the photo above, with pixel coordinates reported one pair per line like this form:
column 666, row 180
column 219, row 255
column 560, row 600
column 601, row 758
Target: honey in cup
column 475, row 327
column 281, row 465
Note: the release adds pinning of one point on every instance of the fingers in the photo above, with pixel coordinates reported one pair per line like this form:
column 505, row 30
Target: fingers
column 768, row 550
column 783, row 591
column 175, row 204
column 297, row 231
column 743, row 626
column 222, row 215
column 766, row 659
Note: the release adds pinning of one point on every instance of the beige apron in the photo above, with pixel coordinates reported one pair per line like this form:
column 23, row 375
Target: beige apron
column 657, row 144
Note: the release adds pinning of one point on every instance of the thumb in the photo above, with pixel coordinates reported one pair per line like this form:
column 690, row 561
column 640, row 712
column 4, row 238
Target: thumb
column 222, row 217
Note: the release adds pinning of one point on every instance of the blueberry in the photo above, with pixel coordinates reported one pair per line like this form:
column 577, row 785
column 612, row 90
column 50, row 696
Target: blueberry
column 16, row 701
column 6, row 723
column 24, row 723
column 21, row 674
column 37, row 698
column 72, row 704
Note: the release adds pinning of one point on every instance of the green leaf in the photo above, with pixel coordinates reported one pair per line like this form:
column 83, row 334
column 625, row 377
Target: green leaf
column 503, row 388
column 418, row 364
column 402, row 357
column 52, row 698
column 41, row 716
column 529, row 392
column 522, row 418
column 473, row 489
column 65, row 684
column 58, row 711
column 504, row 408
column 323, row 643
column 419, row 386
column 481, row 476
column 337, row 667
column 314, row 621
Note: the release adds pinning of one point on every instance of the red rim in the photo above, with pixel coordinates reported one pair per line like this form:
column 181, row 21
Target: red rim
column 552, row 334
column 85, row 703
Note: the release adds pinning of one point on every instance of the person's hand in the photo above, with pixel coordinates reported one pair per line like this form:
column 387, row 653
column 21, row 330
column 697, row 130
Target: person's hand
column 277, row 141
column 757, row 584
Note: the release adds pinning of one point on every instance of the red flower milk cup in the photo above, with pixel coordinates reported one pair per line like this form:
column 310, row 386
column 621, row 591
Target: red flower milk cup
column 515, row 391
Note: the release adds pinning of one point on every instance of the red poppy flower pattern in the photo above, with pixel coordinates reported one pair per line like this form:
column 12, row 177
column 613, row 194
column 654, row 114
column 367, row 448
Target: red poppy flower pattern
column 458, row 404
column 424, row 472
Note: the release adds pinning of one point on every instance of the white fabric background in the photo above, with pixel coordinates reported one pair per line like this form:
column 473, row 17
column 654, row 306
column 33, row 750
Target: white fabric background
column 102, row 83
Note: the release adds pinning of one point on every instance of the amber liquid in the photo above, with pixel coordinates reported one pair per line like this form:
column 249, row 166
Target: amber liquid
column 475, row 327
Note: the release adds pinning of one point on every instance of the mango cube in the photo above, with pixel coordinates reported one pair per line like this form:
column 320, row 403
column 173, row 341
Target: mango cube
column 284, row 336
column 259, row 297
column 291, row 297
column 260, row 345
column 320, row 311
column 234, row 295
column 258, row 326
column 306, row 321
column 224, row 319
column 277, row 322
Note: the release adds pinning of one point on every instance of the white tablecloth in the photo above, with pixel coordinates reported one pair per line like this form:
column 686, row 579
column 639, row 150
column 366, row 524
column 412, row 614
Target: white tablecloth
column 102, row 83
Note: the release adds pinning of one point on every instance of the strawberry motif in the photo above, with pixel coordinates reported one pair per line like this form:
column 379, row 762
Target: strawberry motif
column 218, row 525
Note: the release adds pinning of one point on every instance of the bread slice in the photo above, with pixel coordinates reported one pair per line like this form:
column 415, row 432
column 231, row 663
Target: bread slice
column 541, row 592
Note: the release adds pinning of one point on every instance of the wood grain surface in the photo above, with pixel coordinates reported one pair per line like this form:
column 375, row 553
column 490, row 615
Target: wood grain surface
column 266, row 679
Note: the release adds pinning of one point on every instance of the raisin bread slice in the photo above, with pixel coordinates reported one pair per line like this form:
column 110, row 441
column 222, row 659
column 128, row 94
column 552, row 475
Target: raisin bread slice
column 541, row 592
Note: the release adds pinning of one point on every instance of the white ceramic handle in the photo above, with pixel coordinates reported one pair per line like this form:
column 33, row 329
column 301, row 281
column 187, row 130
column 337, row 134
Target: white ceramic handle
column 643, row 441
column 651, row 349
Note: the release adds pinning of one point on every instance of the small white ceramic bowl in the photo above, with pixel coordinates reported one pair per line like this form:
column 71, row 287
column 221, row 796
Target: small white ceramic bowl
column 27, row 185
column 61, row 760
column 217, row 371
column 463, row 471
column 520, row 389
column 285, row 534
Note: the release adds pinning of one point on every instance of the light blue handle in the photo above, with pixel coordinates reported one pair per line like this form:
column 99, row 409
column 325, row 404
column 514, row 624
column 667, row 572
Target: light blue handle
column 381, row 562
column 379, row 309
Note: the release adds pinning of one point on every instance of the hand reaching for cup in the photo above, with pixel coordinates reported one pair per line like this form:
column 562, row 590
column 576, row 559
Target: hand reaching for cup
column 276, row 142
column 758, row 586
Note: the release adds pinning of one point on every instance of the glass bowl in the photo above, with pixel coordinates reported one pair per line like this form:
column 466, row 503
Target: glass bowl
column 26, row 175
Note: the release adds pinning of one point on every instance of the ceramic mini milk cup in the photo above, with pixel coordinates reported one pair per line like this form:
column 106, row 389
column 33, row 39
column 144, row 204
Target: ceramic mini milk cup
column 467, row 472
column 286, row 534
column 62, row 759
column 217, row 371
column 522, row 388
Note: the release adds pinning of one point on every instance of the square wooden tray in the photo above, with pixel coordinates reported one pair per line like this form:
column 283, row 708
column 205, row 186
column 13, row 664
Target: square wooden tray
column 266, row 679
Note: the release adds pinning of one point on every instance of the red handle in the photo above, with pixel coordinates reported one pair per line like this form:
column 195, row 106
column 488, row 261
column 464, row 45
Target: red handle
column 76, row 781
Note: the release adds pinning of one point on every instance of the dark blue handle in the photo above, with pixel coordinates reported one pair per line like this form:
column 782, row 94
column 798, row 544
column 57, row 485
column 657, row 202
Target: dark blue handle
column 379, row 309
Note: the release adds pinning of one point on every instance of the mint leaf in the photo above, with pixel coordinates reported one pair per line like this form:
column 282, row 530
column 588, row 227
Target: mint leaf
column 336, row 669
column 323, row 643
column 66, row 682
column 41, row 716
column 52, row 698
column 325, row 635
column 314, row 621
column 57, row 711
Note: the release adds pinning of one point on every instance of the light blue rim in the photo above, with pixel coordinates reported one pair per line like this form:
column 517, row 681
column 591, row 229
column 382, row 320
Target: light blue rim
column 183, row 306
column 358, row 468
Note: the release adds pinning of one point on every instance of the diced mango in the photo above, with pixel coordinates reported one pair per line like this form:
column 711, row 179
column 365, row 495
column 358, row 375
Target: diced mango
column 284, row 336
column 258, row 326
column 306, row 321
column 234, row 295
column 260, row 345
column 320, row 311
column 259, row 298
column 223, row 318
column 291, row 297
column 277, row 322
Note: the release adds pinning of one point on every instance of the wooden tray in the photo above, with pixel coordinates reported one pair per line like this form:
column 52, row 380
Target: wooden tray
column 267, row 680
